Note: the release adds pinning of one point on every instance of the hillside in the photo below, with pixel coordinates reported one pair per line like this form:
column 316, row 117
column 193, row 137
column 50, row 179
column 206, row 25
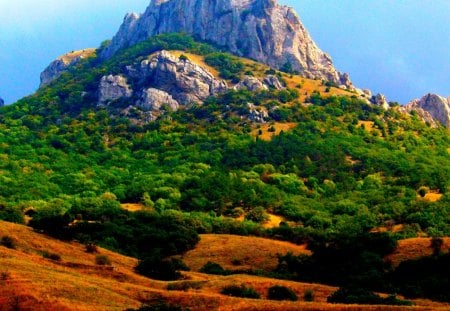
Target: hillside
column 171, row 142
column 75, row 282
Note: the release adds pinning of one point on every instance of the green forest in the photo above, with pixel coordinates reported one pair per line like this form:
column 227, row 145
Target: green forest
column 68, row 165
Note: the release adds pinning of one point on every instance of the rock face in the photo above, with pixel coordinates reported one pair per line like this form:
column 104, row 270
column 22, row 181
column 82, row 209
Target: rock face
column 431, row 108
column 153, row 99
column 185, row 81
column 257, row 114
column 113, row 88
column 62, row 63
column 257, row 29
column 2, row 102
column 380, row 100
column 273, row 82
column 250, row 83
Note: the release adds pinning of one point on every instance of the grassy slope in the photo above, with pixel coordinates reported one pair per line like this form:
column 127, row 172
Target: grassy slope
column 76, row 283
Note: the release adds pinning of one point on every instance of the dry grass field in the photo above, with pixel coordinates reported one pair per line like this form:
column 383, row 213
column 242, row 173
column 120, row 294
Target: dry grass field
column 239, row 253
column 413, row 249
column 28, row 281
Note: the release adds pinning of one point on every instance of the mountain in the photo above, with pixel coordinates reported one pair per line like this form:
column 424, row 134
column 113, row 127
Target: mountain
column 431, row 108
column 258, row 29
column 2, row 102
column 171, row 137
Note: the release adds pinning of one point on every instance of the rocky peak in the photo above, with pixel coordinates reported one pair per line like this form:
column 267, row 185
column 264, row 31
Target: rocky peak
column 2, row 102
column 62, row 63
column 259, row 29
column 431, row 108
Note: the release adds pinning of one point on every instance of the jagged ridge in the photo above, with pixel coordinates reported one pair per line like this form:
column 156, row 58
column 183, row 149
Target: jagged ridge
column 257, row 29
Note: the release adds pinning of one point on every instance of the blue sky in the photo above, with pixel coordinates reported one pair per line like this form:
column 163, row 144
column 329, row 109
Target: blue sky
column 400, row 48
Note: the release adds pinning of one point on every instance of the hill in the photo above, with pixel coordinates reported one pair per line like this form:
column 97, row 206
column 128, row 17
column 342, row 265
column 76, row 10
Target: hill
column 75, row 282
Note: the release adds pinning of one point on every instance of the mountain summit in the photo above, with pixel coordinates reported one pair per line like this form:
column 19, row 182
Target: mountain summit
column 259, row 29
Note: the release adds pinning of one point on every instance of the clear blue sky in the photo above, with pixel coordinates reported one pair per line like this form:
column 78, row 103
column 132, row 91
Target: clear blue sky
column 397, row 47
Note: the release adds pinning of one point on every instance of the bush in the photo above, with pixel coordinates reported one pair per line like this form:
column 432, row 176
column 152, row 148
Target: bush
column 8, row 242
column 240, row 291
column 214, row 268
column 308, row 295
column 91, row 248
column 185, row 286
column 51, row 256
column 158, row 268
column 160, row 306
column 363, row 296
column 102, row 260
column 279, row 292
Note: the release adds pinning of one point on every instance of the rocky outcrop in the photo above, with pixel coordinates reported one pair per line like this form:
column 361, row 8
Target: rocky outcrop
column 112, row 88
column 273, row 82
column 380, row 100
column 2, row 102
column 257, row 29
column 153, row 99
column 62, row 64
column 184, row 80
column 431, row 108
column 250, row 83
column 257, row 114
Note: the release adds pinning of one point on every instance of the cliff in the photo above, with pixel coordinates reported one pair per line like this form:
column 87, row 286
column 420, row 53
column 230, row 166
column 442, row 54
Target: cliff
column 258, row 29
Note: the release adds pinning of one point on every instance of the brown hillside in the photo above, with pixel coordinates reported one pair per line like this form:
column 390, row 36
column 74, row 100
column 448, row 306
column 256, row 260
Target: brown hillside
column 30, row 282
column 246, row 252
column 414, row 248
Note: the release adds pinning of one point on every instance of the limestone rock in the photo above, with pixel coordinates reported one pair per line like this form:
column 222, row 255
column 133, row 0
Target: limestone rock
column 113, row 88
column 257, row 114
column 153, row 99
column 2, row 102
column 273, row 82
column 62, row 64
column 257, row 29
column 250, row 83
column 431, row 108
column 185, row 81
column 380, row 100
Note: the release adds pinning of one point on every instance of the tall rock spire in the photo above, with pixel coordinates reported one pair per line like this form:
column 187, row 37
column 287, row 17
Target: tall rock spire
column 259, row 29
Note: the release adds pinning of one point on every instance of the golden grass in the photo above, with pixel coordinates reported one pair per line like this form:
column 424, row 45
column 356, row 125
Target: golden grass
column 197, row 59
column 132, row 207
column 433, row 196
column 76, row 283
column 414, row 248
column 67, row 58
column 273, row 222
column 368, row 125
column 267, row 135
column 252, row 252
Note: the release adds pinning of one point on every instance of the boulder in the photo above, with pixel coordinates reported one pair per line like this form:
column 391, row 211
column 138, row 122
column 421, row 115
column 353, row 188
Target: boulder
column 112, row 88
column 250, row 83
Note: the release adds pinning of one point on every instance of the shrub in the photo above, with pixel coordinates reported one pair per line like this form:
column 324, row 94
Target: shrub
column 161, row 306
column 214, row 268
column 4, row 275
column 8, row 242
column 102, row 260
column 279, row 292
column 308, row 295
column 185, row 286
column 158, row 268
column 51, row 256
column 91, row 248
column 240, row 291
column 363, row 296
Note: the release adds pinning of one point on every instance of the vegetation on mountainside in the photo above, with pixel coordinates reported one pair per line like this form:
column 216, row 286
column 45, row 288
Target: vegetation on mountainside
column 68, row 165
